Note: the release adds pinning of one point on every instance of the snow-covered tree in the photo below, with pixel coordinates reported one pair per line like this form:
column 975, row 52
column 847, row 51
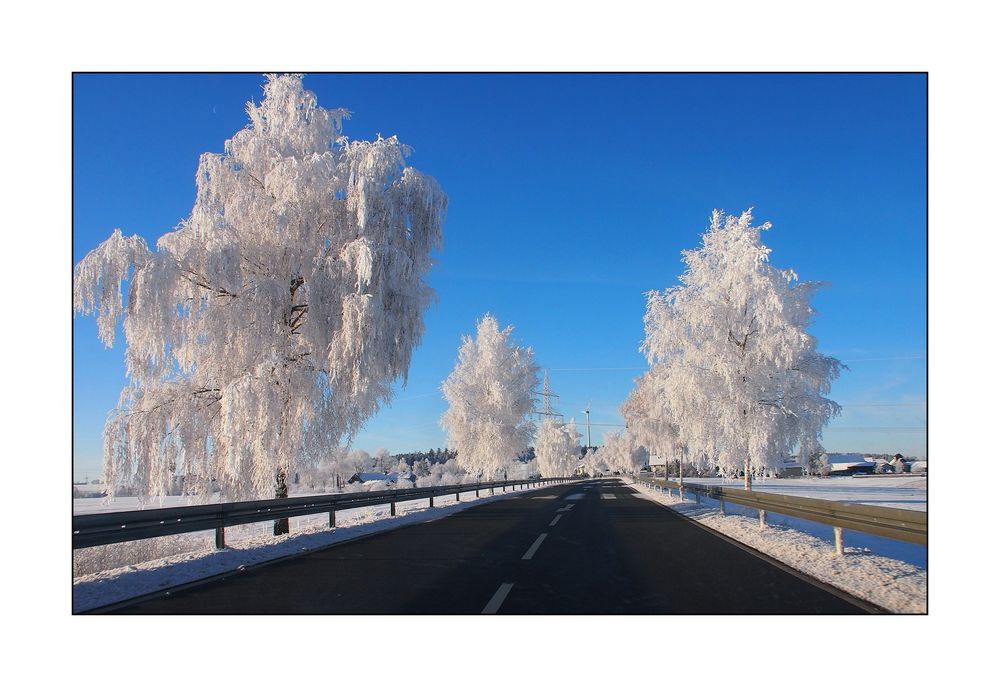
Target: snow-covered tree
column 322, row 474
column 357, row 460
column 733, row 368
column 270, row 324
column 523, row 469
column 448, row 472
column 489, row 396
column 824, row 465
column 622, row 453
column 557, row 448
column 647, row 423
column 382, row 460
column 593, row 463
column 422, row 468
column 815, row 462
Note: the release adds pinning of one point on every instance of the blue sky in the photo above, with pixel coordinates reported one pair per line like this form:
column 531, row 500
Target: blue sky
column 569, row 197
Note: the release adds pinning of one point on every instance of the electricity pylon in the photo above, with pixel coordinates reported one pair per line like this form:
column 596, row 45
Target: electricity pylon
column 547, row 411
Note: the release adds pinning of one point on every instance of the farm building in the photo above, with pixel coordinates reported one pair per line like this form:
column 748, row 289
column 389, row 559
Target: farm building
column 849, row 464
column 790, row 467
column 389, row 478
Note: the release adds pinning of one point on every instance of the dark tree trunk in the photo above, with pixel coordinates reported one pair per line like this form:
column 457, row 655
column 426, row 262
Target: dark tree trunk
column 281, row 492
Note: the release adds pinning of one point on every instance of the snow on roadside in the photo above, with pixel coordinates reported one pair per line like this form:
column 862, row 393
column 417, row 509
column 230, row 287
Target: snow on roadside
column 894, row 585
column 112, row 586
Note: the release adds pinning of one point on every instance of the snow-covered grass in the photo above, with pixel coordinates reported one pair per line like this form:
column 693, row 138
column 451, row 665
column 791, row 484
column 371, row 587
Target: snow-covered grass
column 903, row 491
column 896, row 585
column 108, row 574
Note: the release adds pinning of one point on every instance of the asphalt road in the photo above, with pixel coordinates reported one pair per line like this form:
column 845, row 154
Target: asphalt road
column 580, row 548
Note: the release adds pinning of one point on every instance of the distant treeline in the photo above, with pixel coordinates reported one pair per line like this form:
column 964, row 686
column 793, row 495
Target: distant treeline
column 441, row 455
column 889, row 456
column 433, row 456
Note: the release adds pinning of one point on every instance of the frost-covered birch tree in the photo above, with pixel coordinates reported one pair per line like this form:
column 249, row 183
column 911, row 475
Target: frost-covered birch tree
column 647, row 420
column 594, row 463
column 733, row 368
column 270, row 324
column 490, row 400
column 557, row 448
column 622, row 453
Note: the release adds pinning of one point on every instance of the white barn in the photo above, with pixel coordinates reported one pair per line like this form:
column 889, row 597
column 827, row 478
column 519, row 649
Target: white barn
column 848, row 464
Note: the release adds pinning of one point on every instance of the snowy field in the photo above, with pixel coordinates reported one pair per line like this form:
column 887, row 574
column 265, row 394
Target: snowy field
column 104, row 575
column 882, row 577
column 891, row 491
column 96, row 504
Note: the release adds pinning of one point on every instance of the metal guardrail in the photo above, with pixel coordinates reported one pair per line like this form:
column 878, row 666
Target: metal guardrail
column 895, row 523
column 112, row 528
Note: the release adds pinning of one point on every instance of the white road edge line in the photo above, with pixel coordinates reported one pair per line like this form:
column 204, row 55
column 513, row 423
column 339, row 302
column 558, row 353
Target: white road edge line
column 555, row 520
column 565, row 508
column 533, row 548
column 494, row 605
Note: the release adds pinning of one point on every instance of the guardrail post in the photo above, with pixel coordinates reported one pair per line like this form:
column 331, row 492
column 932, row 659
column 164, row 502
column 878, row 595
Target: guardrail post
column 697, row 497
column 458, row 496
column 763, row 522
column 392, row 508
column 477, row 492
column 838, row 540
column 722, row 504
column 220, row 537
column 432, row 502
column 333, row 518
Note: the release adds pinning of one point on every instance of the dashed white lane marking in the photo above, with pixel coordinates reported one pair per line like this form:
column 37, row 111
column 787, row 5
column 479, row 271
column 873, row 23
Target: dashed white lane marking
column 545, row 497
column 494, row 605
column 575, row 497
column 555, row 520
column 566, row 508
column 533, row 548
column 608, row 496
